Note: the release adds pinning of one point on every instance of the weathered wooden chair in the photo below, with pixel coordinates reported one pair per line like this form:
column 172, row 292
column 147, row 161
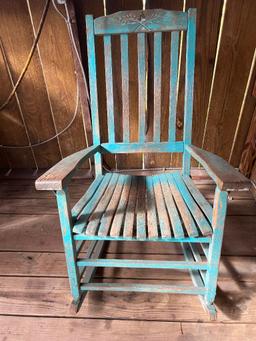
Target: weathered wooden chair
column 160, row 208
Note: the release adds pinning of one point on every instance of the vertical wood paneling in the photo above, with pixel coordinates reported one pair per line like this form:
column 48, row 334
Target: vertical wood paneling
column 11, row 121
column 79, row 70
column 235, row 55
column 57, row 65
column 208, row 23
column 32, row 92
column 10, row 76
column 248, row 158
column 247, row 120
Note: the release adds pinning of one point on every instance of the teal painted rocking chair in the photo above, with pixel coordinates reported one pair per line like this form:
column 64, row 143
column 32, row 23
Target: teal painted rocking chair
column 160, row 208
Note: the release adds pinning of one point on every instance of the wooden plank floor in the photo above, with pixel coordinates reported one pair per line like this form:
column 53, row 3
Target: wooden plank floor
column 34, row 291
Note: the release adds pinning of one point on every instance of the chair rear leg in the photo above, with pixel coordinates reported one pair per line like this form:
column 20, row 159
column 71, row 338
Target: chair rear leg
column 218, row 221
column 69, row 246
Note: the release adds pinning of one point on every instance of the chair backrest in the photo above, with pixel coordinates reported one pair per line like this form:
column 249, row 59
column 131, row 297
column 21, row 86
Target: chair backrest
column 155, row 22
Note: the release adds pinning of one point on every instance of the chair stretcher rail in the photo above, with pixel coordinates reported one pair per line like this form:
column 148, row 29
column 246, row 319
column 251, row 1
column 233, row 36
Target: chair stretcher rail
column 83, row 236
column 145, row 264
column 161, row 288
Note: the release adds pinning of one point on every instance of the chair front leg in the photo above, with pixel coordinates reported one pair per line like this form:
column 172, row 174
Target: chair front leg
column 218, row 221
column 69, row 243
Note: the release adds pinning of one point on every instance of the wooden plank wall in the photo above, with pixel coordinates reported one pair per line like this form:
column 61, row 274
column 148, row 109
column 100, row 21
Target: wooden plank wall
column 223, row 110
column 47, row 94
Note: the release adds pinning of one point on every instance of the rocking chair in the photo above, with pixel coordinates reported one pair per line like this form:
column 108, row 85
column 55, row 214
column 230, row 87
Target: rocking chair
column 165, row 207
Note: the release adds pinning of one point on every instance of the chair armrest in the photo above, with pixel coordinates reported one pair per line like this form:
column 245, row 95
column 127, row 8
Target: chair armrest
column 226, row 177
column 57, row 177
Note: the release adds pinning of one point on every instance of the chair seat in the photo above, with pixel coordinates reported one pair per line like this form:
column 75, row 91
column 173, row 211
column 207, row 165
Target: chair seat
column 144, row 207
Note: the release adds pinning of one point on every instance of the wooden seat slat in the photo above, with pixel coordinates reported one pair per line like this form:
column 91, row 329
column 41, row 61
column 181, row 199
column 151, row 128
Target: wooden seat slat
column 121, row 208
column 141, row 208
column 76, row 210
column 199, row 198
column 130, row 210
column 197, row 214
column 125, row 86
column 85, row 213
column 182, row 207
column 96, row 215
column 141, row 84
column 171, row 208
column 107, row 217
column 164, row 223
column 151, row 209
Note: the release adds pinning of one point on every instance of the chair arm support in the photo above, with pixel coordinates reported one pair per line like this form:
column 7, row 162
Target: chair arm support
column 58, row 177
column 226, row 177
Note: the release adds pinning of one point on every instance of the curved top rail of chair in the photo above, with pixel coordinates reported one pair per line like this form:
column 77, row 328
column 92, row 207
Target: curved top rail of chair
column 149, row 20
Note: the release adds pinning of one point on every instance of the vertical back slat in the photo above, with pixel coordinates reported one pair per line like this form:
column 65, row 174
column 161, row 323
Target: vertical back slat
column 125, row 86
column 93, row 89
column 141, row 85
column 109, row 88
column 157, row 85
column 189, row 86
column 173, row 85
